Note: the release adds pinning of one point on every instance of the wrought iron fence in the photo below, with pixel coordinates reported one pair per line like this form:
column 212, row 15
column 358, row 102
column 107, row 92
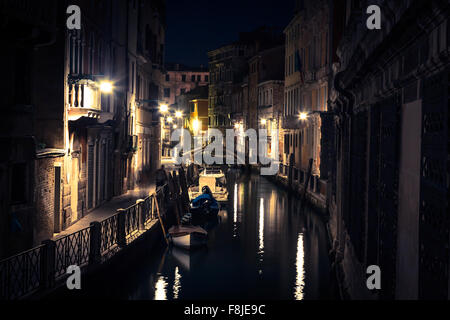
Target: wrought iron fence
column 72, row 249
column 131, row 219
column 147, row 210
column 28, row 271
column 109, row 234
column 21, row 274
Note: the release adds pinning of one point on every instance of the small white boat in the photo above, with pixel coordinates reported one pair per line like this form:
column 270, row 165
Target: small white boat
column 188, row 237
column 215, row 179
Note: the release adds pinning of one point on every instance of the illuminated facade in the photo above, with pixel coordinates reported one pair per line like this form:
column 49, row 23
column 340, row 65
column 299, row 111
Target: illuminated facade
column 75, row 133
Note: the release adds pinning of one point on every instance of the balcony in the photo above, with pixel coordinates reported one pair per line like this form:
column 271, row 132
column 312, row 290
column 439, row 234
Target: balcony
column 84, row 98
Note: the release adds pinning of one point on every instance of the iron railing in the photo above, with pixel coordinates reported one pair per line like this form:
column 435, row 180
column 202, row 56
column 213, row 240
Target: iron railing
column 38, row 268
column 109, row 234
column 21, row 274
column 72, row 249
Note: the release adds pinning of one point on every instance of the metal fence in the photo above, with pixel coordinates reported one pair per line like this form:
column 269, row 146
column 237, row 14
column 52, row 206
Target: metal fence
column 21, row 274
column 72, row 249
column 38, row 268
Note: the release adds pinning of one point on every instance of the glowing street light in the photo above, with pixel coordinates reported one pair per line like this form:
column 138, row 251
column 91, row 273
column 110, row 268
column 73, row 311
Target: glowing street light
column 263, row 122
column 303, row 116
column 169, row 119
column 174, row 126
column 236, row 125
column 163, row 108
column 178, row 114
column 106, row 86
column 196, row 125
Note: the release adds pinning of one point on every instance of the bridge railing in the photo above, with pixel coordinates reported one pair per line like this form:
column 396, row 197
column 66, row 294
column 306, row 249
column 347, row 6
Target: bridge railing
column 40, row 267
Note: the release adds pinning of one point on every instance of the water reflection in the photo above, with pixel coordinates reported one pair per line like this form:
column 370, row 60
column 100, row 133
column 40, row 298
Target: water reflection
column 269, row 233
column 235, row 201
column 160, row 288
column 176, row 284
column 300, row 262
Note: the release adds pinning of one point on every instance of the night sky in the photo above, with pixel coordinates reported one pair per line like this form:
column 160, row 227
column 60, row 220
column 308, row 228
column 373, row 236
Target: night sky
column 197, row 26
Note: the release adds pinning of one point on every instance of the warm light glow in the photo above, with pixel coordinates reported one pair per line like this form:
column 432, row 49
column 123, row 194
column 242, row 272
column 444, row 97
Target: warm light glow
column 178, row 114
column 174, row 126
column 263, row 121
column 236, row 125
column 300, row 261
column 106, row 87
column 303, row 116
column 196, row 125
column 169, row 119
column 88, row 99
column 164, row 108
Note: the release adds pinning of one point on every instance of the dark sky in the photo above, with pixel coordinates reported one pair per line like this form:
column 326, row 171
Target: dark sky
column 196, row 26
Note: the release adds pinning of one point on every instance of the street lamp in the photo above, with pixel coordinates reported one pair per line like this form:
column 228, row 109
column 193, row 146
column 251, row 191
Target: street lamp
column 263, row 122
column 169, row 119
column 178, row 114
column 303, row 116
column 106, row 86
column 163, row 108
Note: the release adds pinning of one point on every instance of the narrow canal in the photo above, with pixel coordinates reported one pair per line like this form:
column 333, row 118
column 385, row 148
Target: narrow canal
column 266, row 246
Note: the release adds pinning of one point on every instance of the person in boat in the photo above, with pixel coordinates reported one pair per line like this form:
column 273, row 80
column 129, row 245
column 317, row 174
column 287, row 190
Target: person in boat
column 204, row 197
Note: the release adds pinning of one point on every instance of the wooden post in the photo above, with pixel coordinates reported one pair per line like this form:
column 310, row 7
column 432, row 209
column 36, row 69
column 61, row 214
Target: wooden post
column 307, row 178
column 184, row 189
column 160, row 220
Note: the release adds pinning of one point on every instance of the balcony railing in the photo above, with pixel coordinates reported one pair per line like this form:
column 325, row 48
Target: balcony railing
column 84, row 98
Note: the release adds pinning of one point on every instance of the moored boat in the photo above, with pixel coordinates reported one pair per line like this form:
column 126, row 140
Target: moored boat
column 187, row 237
column 214, row 178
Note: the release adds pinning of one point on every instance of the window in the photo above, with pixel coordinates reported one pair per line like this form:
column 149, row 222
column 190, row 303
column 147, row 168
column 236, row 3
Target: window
column 183, row 77
column 206, row 78
column 167, row 77
column 183, row 90
column 199, row 78
column 193, row 78
column 166, row 92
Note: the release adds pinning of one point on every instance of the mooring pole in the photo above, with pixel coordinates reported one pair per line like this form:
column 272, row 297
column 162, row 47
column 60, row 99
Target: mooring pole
column 160, row 219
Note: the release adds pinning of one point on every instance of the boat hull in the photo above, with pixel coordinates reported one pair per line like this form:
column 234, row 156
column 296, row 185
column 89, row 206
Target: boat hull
column 188, row 237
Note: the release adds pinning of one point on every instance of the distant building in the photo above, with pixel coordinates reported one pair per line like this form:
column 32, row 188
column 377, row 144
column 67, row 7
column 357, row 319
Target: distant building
column 180, row 79
column 229, row 70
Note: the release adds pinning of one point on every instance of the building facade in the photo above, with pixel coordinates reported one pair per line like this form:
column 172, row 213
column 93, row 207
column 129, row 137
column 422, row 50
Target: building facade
column 307, row 77
column 389, row 182
column 180, row 79
column 71, row 110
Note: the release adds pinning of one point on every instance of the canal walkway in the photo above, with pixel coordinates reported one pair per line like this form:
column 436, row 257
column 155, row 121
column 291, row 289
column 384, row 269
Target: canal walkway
column 108, row 209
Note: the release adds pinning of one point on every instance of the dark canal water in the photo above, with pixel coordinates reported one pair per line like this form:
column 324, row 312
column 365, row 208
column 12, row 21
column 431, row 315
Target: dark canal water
column 265, row 247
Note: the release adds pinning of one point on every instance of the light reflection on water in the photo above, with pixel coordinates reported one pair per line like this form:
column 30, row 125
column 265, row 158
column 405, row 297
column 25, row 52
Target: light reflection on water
column 300, row 262
column 270, row 248
column 176, row 284
column 160, row 288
